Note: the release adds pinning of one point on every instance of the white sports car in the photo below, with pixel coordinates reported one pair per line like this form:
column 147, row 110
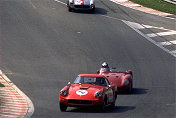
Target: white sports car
column 81, row 4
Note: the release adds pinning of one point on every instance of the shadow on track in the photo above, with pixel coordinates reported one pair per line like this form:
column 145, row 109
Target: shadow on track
column 139, row 91
column 135, row 91
column 99, row 11
column 117, row 109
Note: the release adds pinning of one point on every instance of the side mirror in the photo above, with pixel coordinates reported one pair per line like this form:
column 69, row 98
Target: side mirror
column 98, row 71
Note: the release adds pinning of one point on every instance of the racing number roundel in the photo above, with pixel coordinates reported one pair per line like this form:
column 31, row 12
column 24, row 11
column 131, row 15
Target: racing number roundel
column 81, row 92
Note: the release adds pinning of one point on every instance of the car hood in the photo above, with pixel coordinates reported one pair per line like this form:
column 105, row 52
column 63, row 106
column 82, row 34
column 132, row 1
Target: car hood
column 83, row 91
column 82, row 2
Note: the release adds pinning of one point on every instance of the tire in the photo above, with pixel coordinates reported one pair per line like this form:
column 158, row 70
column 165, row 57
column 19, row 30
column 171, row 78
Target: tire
column 103, row 105
column 70, row 9
column 113, row 104
column 63, row 107
column 116, row 95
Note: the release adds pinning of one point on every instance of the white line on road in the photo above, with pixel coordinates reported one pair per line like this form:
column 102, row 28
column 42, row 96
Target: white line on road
column 149, row 39
column 136, row 26
column 60, row 2
column 161, row 34
column 32, row 4
column 168, row 43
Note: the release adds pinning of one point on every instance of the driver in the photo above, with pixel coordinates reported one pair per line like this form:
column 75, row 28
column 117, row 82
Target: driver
column 105, row 67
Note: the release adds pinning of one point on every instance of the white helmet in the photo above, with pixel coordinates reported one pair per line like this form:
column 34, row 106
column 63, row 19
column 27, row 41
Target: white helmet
column 105, row 65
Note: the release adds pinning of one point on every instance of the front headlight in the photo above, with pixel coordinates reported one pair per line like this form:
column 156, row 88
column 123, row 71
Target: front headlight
column 99, row 93
column 126, row 81
column 64, row 92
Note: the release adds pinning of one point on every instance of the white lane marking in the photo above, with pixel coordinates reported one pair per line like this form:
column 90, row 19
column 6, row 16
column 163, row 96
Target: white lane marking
column 135, row 25
column 161, row 34
column 149, row 39
column 168, row 43
column 143, row 26
column 29, row 102
column 60, row 2
column 32, row 4
column 174, row 51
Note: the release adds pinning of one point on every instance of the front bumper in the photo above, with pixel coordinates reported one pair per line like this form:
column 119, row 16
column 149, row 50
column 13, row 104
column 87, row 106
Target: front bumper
column 81, row 7
column 80, row 102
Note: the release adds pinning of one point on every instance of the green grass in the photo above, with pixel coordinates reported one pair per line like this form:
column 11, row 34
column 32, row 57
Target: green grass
column 158, row 5
column 1, row 85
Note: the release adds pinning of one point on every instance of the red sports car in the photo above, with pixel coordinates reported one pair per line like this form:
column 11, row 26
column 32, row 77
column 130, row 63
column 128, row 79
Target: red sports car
column 120, row 78
column 88, row 90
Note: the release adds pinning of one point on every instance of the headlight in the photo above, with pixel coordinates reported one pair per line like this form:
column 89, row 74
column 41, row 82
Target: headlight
column 99, row 94
column 126, row 81
column 64, row 92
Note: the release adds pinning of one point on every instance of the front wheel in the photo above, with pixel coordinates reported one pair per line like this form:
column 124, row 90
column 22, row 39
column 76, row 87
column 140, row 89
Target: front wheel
column 63, row 107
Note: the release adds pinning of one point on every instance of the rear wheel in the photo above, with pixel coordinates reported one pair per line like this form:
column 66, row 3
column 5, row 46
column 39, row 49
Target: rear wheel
column 63, row 107
column 70, row 9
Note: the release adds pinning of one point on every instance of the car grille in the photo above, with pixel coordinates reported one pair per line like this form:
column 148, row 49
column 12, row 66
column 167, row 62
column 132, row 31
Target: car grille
column 82, row 6
column 80, row 102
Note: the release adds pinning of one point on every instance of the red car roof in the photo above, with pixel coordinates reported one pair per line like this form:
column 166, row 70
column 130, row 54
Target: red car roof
column 91, row 75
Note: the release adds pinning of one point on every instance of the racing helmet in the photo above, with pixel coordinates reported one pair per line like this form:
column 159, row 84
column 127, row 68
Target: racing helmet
column 105, row 65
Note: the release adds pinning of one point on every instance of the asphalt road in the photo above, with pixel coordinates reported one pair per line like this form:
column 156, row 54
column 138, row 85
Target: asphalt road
column 43, row 46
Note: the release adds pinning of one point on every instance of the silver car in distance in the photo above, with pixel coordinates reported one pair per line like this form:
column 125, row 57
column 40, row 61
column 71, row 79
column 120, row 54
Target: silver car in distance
column 81, row 5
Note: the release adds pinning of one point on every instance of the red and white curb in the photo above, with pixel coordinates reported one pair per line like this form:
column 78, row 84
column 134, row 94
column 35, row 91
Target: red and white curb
column 135, row 6
column 13, row 102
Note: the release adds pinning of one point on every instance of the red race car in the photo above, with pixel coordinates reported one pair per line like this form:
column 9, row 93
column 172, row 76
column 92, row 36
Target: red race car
column 88, row 90
column 118, row 77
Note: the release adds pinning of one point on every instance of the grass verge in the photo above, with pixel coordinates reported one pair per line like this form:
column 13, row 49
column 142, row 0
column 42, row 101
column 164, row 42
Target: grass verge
column 1, row 85
column 160, row 5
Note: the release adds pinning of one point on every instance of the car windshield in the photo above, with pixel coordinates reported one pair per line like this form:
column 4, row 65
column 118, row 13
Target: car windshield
column 91, row 80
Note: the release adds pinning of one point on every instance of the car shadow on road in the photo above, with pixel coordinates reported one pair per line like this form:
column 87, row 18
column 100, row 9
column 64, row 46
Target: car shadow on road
column 139, row 91
column 116, row 109
column 135, row 91
column 98, row 11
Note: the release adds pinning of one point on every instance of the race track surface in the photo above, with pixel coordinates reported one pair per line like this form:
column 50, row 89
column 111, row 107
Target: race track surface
column 43, row 47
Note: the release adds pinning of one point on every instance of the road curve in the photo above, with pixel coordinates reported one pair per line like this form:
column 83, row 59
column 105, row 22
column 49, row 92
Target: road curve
column 43, row 46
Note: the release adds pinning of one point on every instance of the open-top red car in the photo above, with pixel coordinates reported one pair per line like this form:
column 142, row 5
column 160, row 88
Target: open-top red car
column 118, row 77
column 88, row 90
